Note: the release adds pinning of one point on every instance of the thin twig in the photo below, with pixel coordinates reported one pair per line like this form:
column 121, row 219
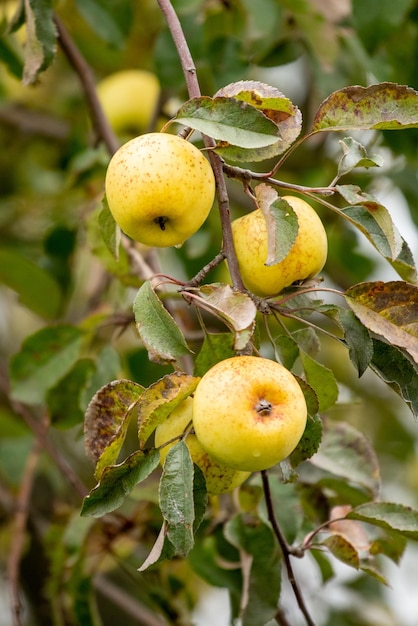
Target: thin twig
column 286, row 550
column 130, row 606
column 19, row 527
column 85, row 74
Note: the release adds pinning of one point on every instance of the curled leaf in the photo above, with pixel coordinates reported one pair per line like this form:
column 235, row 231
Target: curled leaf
column 281, row 220
column 389, row 310
column 235, row 309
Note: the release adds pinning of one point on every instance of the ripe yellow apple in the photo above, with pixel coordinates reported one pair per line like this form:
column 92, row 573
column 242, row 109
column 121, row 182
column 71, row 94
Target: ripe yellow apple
column 219, row 478
column 305, row 259
column 129, row 99
column 249, row 412
column 160, row 189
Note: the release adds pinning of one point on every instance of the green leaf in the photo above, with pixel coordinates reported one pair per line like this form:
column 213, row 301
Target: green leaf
column 117, row 481
column 160, row 399
column 346, row 453
column 161, row 336
column 281, row 220
column 45, row 357
column 107, row 419
column 235, row 309
column 260, row 566
column 215, row 348
column 36, row 288
column 389, row 310
column 357, row 337
column 40, row 45
column 275, row 106
column 229, row 120
column 176, row 498
column 310, row 442
column 355, row 155
column 396, row 517
column 110, row 19
column 109, row 230
column 385, row 106
column 397, row 371
column 321, row 379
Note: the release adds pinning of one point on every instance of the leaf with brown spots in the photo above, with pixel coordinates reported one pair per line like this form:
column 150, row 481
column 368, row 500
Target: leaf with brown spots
column 235, row 309
column 275, row 106
column 384, row 106
column 160, row 399
column 389, row 310
column 106, row 421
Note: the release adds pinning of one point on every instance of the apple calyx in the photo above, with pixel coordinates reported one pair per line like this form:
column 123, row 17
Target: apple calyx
column 264, row 408
column 161, row 220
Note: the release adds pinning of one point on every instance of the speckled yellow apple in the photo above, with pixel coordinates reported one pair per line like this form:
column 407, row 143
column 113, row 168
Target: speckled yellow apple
column 219, row 477
column 129, row 99
column 249, row 412
column 160, row 189
column 305, row 259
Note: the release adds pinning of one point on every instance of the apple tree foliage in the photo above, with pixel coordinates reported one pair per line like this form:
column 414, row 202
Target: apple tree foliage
column 103, row 338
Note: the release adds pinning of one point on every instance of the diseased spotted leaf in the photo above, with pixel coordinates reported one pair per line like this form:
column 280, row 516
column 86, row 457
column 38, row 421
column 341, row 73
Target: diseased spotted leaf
column 229, row 120
column 160, row 399
column 107, row 419
column 310, row 442
column 389, row 310
column 235, row 309
column 385, row 106
column 273, row 105
column 343, row 550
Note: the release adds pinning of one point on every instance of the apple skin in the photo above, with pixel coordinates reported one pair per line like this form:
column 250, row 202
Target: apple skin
column 219, row 478
column 160, row 189
column 305, row 259
column 249, row 412
column 129, row 99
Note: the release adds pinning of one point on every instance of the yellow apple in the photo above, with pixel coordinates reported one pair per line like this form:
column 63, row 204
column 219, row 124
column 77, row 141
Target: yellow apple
column 160, row 189
column 129, row 99
column 249, row 412
column 305, row 259
column 219, row 478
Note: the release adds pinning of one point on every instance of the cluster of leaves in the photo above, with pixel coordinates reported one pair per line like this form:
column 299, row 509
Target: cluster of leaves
column 325, row 500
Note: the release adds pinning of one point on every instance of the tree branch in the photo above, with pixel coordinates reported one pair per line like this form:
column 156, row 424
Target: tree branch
column 193, row 88
column 285, row 549
column 85, row 74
